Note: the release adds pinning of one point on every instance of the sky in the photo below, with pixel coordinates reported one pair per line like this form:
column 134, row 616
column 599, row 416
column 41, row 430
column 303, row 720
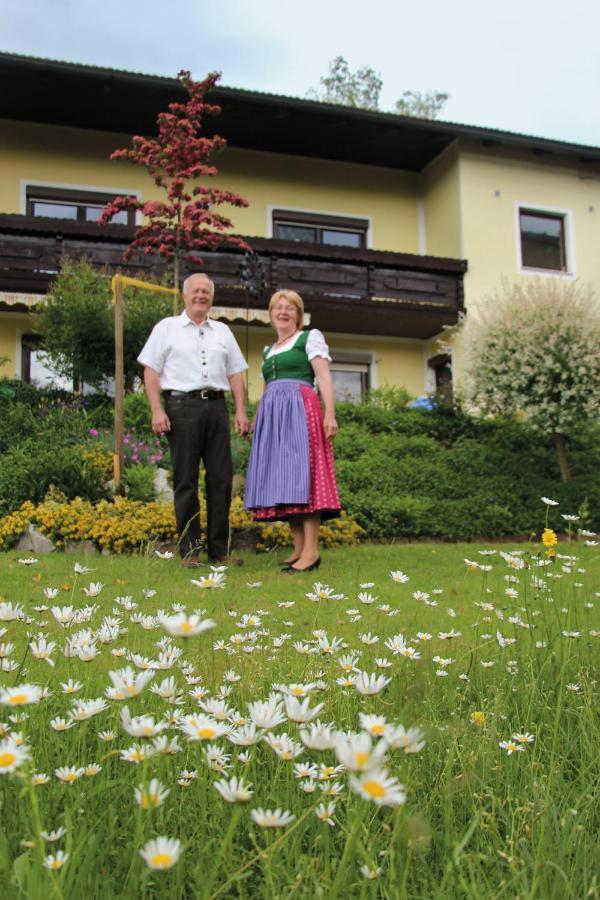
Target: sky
column 517, row 65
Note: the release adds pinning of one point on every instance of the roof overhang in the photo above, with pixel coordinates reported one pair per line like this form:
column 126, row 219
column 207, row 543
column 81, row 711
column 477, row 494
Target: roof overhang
column 69, row 94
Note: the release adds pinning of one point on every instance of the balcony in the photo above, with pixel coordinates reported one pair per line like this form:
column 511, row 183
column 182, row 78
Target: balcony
column 345, row 290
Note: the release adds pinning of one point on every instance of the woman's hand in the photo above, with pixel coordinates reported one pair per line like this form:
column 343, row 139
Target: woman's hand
column 330, row 425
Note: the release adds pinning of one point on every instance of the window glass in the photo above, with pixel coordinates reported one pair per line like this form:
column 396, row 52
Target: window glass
column 542, row 241
column 92, row 214
column 313, row 228
column 348, row 385
column 297, row 233
column 341, row 238
column 54, row 210
column 67, row 203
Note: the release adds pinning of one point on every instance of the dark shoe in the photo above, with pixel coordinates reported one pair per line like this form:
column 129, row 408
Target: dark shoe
column 226, row 560
column 191, row 561
column 311, row 568
column 288, row 563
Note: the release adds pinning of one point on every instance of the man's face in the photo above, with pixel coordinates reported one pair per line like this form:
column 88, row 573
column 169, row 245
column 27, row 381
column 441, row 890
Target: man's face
column 198, row 298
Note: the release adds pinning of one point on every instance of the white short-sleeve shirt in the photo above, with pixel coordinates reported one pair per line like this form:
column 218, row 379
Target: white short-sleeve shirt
column 315, row 345
column 189, row 357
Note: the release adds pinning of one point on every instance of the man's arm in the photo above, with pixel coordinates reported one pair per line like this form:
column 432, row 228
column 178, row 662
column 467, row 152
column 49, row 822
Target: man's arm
column 238, row 389
column 160, row 420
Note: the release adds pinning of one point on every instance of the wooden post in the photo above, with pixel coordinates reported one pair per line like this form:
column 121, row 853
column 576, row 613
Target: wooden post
column 119, row 385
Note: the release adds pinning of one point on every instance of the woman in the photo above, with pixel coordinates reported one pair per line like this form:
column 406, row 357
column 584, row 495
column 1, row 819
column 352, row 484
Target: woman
column 291, row 473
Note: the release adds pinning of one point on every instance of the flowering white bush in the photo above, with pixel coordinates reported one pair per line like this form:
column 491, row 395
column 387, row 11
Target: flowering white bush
column 533, row 348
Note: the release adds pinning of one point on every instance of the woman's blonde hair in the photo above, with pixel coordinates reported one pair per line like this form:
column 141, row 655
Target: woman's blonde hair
column 292, row 297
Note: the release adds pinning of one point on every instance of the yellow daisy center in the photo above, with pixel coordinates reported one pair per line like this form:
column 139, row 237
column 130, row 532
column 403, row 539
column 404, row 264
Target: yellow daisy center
column 186, row 627
column 56, row 864
column 7, row 759
column 161, row 860
column 18, row 699
column 205, row 733
column 377, row 729
column 361, row 758
column 374, row 788
column 70, row 776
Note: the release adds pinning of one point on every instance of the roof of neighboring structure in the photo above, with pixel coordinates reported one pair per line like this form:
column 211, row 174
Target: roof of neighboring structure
column 92, row 97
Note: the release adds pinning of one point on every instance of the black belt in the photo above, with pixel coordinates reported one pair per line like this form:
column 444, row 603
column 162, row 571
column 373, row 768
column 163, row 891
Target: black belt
column 205, row 394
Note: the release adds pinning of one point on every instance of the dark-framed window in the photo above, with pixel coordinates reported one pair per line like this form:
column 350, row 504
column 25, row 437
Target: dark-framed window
column 542, row 236
column 351, row 375
column 312, row 228
column 76, row 205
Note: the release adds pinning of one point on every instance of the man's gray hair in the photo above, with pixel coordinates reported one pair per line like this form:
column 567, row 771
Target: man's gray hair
column 185, row 284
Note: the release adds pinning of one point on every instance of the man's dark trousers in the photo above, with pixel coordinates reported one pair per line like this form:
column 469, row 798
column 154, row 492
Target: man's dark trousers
column 200, row 433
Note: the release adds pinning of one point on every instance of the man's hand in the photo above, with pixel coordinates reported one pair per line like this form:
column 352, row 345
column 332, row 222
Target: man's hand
column 160, row 422
column 241, row 424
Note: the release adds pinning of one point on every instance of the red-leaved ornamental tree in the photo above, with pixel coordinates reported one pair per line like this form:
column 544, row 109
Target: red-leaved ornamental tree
column 186, row 221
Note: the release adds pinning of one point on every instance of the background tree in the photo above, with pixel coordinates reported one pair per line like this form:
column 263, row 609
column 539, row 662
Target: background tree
column 76, row 322
column 359, row 89
column 187, row 219
column 533, row 348
column 421, row 104
column 362, row 88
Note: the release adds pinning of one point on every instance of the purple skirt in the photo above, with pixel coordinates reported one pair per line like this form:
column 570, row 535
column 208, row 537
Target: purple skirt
column 279, row 466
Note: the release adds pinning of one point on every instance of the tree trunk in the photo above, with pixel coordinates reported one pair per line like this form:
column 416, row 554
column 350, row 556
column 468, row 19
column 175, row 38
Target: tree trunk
column 176, row 284
column 563, row 460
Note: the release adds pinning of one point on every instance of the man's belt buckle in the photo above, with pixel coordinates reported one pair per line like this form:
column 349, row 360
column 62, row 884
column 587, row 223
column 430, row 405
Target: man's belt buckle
column 203, row 394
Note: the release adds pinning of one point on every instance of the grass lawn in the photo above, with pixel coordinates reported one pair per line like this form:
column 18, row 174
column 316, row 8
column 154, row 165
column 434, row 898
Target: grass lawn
column 428, row 804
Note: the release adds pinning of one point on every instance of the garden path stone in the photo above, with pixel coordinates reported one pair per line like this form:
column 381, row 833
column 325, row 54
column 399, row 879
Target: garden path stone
column 36, row 541
column 88, row 547
column 162, row 489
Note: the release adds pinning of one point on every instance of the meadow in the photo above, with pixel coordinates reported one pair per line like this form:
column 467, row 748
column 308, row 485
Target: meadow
column 418, row 720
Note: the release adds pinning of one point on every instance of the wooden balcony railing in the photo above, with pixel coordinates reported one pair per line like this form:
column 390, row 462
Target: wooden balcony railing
column 344, row 289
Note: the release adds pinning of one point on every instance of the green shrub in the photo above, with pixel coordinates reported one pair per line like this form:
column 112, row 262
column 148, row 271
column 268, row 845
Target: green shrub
column 139, row 482
column 29, row 469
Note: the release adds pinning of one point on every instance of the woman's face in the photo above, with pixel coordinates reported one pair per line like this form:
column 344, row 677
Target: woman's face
column 284, row 314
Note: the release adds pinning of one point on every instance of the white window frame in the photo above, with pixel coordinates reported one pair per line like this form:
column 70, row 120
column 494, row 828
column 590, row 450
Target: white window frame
column 69, row 186
column 569, row 238
column 322, row 213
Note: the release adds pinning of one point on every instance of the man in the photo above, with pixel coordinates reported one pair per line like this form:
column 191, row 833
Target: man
column 193, row 360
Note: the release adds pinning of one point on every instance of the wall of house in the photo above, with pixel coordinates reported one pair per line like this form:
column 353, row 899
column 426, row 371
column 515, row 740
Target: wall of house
column 396, row 361
column 442, row 205
column 492, row 188
column 68, row 156
column 388, row 198
column 12, row 327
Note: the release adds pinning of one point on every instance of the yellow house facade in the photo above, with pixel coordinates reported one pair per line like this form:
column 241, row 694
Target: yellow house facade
column 386, row 225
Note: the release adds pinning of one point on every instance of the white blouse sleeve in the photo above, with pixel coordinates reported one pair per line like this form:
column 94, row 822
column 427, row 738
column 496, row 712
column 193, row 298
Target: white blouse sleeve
column 316, row 346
